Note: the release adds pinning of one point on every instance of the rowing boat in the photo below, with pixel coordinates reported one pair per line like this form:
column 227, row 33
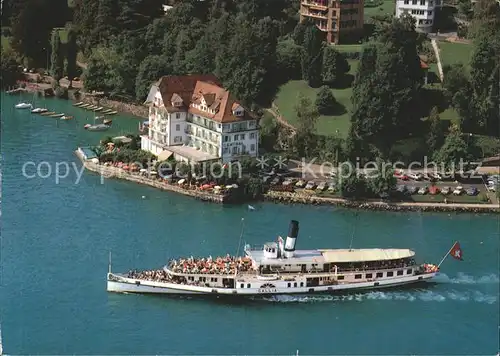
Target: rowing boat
column 48, row 113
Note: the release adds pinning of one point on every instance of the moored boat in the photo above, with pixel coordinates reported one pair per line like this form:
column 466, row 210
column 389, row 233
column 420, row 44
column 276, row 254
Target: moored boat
column 78, row 104
column 57, row 115
column 278, row 268
column 66, row 117
column 98, row 127
column 48, row 113
column 23, row 106
column 39, row 110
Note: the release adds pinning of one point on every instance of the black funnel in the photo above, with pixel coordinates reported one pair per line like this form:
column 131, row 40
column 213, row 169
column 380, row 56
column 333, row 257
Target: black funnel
column 293, row 230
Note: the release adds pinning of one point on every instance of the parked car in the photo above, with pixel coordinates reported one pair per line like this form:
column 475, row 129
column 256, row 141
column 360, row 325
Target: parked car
column 401, row 189
column 310, row 185
column 412, row 190
column 492, row 188
column 332, row 174
column 266, row 179
column 433, row 190
column 472, row 191
column 445, row 190
column 415, row 176
column 432, row 176
column 276, row 181
column 322, row 186
column 401, row 175
column 423, row 190
column 289, row 181
column 458, row 190
column 300, row 184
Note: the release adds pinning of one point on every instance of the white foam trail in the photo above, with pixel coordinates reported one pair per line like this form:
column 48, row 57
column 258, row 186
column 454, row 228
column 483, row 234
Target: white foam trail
column 410, row 296
column 463, row 278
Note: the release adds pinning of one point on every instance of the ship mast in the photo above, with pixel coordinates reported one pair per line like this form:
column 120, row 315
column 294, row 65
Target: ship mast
column 239, row 245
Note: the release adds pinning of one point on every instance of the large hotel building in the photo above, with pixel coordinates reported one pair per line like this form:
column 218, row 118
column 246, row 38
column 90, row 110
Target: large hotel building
column 339, row 19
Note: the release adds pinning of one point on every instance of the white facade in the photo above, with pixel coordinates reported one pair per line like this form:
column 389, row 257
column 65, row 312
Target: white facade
column 195, row 136
column 422, row 10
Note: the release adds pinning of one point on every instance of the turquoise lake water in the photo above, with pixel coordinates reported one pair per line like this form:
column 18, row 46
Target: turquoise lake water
column 56, row 238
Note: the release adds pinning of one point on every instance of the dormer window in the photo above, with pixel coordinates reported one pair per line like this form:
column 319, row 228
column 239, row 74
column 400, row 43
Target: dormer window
column 176, row 100
column 237, row 110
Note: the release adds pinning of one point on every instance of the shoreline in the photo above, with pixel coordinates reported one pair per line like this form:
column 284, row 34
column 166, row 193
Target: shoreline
column 114, row 172
column 296, row 198
column 290, row 198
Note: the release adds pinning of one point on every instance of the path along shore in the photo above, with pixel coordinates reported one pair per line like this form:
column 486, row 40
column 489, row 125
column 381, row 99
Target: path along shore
column 287, row 197
column 298, row 198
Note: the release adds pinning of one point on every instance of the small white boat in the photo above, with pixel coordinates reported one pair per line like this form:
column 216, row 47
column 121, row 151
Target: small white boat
column 98, row 127
column 39, row 110
column 66, row 117
column 23, row 106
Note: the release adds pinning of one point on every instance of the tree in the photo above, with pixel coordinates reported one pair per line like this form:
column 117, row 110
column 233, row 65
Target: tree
column 56, row 58
column 325, row 101
column 453, row 152
column 150, row 70
column 381, row 180
column 71, row 51
column 9, row 70
column 299, row 32
column 435, row 136
column 312, row 59
column 455, row 78
column 386, row 101
column 484, row 77
column 335, row 66
column 32, row 22
column 303, row 142
column 289, row 60
column 350, row 183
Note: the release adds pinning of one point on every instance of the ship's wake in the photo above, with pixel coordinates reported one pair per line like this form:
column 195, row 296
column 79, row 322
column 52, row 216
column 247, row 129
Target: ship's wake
column 410, row 296
column 463, row 278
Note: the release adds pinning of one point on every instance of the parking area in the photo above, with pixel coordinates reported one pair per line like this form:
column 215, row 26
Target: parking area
column 466, row 188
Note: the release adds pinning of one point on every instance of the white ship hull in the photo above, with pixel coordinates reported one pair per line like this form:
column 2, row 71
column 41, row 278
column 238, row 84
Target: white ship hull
column 121, row 284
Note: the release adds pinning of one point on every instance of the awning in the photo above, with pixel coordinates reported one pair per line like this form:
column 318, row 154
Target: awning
column 488, row 170
column 164, row 155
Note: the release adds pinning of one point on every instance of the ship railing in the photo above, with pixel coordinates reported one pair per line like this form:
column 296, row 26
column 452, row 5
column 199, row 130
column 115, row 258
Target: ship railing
column 253, row 247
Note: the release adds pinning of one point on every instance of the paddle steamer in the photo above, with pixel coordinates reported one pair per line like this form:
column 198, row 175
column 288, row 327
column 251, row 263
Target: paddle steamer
column 278, row 268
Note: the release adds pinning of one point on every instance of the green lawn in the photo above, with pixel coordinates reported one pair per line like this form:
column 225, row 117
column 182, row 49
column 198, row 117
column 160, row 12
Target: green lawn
column 452, row 53
column 386, row 8
column 5, row 43
column 348, row 47
column 63, row 34
column 327, row 125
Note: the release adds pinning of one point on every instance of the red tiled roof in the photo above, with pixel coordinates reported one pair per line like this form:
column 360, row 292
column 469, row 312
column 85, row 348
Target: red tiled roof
column 182, row 85
column 191, row 88
column 423, row 65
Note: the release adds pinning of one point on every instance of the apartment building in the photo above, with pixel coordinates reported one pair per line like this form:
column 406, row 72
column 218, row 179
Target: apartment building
column 196, row 120
column 338, row 19
column 423, row 11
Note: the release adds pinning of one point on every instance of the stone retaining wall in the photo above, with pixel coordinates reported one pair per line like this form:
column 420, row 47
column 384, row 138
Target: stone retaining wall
column 294, row 198
column 114, row 172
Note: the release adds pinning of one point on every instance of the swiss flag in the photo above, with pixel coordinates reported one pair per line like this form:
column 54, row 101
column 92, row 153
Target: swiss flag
column 456, row 251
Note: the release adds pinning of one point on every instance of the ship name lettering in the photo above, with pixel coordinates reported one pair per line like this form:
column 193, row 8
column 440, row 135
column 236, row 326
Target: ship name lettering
column 267, row 290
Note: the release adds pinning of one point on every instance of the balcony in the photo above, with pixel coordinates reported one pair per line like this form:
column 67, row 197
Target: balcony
column 321, row 5
column 315, row 14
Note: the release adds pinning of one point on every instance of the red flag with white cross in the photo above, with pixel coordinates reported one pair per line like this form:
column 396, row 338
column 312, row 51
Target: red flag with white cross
column 456, row 251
